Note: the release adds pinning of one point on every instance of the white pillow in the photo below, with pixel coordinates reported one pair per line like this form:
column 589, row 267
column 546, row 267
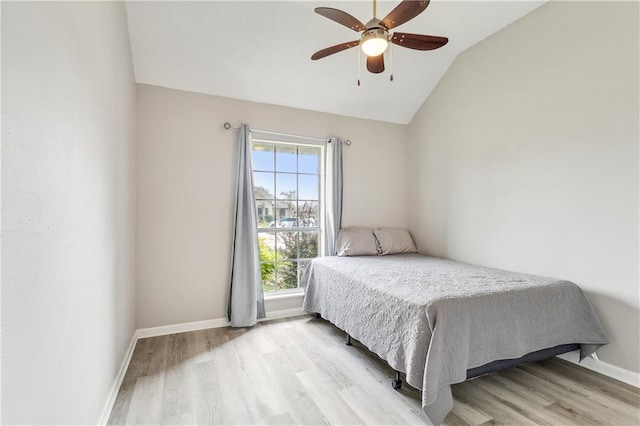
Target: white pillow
column 394, row 241
column 356, row 242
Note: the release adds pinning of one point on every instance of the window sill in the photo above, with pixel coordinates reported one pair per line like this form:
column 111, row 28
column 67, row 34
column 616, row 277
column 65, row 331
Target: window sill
column 287, row 295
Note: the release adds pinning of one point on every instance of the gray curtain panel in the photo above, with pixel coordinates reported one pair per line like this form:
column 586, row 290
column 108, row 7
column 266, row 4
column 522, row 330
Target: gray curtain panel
column 333, row 194
column 246, row 300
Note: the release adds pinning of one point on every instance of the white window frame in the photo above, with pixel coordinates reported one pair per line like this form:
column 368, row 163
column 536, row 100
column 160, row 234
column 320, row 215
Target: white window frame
column 321, row 202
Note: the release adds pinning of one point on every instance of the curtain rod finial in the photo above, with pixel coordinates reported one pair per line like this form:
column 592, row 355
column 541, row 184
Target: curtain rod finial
column 227, row 125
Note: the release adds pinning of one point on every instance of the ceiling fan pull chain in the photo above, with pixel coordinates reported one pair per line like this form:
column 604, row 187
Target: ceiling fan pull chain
column 391, row 60
column 359, row 60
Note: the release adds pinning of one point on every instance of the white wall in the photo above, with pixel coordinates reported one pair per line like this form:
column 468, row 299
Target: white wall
column 186, row 177
column 68, row 214
column 525, row 157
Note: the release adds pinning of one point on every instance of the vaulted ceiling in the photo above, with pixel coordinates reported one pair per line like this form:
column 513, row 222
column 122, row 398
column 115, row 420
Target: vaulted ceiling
column 260, row 51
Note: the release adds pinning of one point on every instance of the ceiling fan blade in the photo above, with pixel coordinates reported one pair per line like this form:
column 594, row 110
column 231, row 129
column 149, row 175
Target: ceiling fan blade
column 404, row 12
column 334, row 49
column 418, row 41
column 341, row 18
column 375, row 64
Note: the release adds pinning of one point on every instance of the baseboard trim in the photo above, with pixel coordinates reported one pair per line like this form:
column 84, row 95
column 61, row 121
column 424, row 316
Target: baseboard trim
column 113, row 393
column 609, row 370
column 213, row 323
column 284, row 313
column 184, row 327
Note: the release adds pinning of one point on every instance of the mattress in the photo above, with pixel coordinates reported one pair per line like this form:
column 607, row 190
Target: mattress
column 434, row 319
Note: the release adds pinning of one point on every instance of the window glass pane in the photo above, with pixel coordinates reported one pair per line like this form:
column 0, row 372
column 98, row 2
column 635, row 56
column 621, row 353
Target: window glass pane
column 262, row 192
column 286, row 186
column 308, row 214
column 287, row 245
column 267, row 246
column 262, row 156
column 308, row 187
column 268, row 270
column 308, row 159
column 287, row 275
column 286, row 158
column 308, row 244
column 285, row 214
column 264, row 213
column 263, row 185
column 267, row 250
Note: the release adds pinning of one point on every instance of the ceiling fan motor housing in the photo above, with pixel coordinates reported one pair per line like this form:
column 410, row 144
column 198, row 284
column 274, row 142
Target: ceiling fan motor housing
column 375, row 39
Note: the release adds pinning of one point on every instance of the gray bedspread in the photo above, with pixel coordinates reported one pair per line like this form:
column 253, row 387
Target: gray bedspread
column 434, row 318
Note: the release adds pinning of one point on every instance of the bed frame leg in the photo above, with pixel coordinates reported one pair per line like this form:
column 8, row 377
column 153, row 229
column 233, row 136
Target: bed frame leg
column 348, row 340
column 397, row 383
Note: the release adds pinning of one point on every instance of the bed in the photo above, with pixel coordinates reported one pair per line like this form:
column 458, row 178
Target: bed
column 441, row 322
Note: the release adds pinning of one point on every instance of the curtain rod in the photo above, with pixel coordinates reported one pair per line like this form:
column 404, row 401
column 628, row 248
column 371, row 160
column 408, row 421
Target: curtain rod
column 228, row 126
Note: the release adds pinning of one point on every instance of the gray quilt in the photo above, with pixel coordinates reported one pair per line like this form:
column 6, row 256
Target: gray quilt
column 434, row 318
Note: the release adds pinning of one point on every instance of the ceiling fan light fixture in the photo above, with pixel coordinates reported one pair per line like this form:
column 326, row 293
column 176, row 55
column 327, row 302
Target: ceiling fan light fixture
column 374, row 35
column 374, row 42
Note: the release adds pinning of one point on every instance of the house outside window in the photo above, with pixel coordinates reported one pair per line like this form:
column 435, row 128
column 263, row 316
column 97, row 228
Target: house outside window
column 288, row 191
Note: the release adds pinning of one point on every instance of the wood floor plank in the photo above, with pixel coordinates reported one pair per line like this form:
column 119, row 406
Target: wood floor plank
column 378, row 386
column 467, row 414
column 302, row 407
column 238, row 406
column 177, row 400
column 527, row 407
column 299, row 371
column 361, row 366
column 571, row 401
column 147, row 400
column 202, row 342
column 148, row 359
column 369, row 409
column 207, row 389
column 295, row 357
column 581, row 397
column 571, row 416
column 407, row 399
column 536, row 385
column 281, row 419
column 315, row 345
column 454, row 420
column 325, row 392
column 263, row 397
column 208, row 395
column 535, row 399
column 605, row 385
column 495, row 407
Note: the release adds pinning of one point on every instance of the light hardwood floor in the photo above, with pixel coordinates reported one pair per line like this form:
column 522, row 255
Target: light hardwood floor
column 299, row 371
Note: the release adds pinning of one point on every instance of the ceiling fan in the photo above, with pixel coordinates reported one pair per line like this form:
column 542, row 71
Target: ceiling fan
column 375, row 37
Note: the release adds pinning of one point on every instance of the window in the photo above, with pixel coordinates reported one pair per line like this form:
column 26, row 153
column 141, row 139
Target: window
column 287, row 184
